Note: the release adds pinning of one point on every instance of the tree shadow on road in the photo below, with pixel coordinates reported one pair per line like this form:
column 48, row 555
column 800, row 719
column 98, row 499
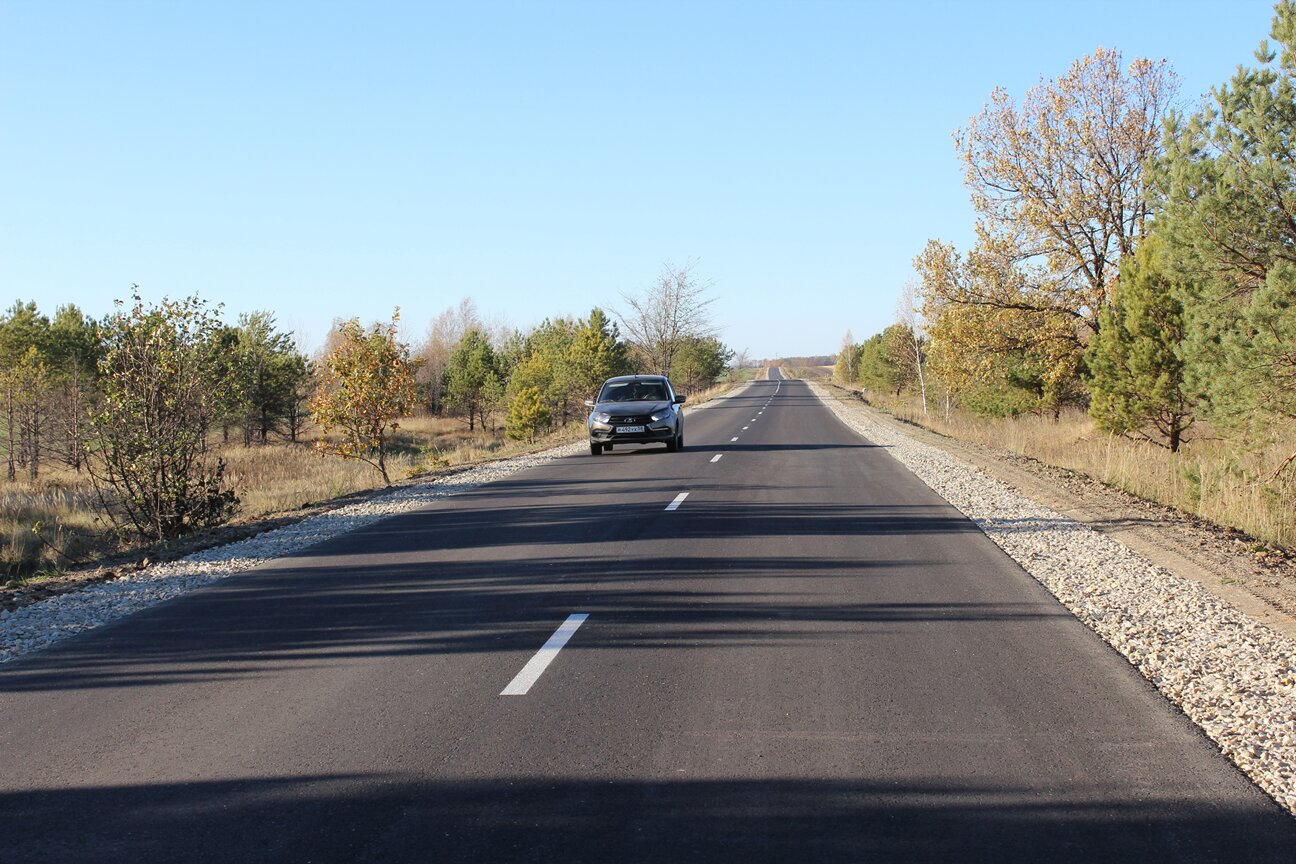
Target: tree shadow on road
column 390, row 818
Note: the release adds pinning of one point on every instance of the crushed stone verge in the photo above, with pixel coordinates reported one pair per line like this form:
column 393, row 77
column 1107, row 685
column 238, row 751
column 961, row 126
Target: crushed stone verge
column 1235, row 678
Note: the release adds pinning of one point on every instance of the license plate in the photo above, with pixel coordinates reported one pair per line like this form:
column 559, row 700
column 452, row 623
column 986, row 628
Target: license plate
column 629, row 429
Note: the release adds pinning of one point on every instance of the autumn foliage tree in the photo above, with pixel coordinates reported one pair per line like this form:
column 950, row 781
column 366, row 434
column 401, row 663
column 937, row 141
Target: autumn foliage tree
column 367, row 382
column 1058, row 185
column 159, row 388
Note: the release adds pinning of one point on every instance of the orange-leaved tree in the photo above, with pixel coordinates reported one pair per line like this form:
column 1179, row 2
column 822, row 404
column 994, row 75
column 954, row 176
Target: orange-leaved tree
column 366, row 385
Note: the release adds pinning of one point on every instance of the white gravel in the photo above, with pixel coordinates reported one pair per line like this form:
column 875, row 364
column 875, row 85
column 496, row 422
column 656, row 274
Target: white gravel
column 1233, row 677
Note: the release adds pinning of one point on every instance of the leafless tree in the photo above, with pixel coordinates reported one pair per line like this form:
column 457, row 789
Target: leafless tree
column 909, row 314
column 741, row 359
column 675, row 308
column 443, row 336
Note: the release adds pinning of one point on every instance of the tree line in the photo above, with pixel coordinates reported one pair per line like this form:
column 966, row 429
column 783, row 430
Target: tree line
column 139, row 399
column 1131, row 257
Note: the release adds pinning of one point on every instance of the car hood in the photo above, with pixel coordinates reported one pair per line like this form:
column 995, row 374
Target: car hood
column 631, row 409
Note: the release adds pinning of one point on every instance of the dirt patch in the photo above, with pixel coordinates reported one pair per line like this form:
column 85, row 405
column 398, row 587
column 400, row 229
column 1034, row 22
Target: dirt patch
column 1257, row 578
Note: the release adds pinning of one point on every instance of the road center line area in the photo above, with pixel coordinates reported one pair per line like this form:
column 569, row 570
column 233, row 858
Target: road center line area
column 679, row 499
column 716, row 458
column 536, row 666
column 735, row 438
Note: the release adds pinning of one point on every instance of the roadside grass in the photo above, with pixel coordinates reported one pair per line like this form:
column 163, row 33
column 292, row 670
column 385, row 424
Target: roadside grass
column 810, row 373
column 276, row 478
column 272, row 479
column 64, row 508
column 1209, row 477
column 749, row 373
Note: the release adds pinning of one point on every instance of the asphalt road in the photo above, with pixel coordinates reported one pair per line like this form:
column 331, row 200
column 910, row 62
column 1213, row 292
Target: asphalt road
column 811, row 658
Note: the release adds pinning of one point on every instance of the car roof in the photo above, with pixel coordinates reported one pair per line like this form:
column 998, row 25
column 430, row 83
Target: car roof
column 637, row 378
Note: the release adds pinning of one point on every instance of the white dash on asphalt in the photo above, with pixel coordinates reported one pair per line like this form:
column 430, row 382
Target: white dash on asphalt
column 679, row 499
column 716, row 458
column 745, row 428
column 536, row 666
column 735, row 438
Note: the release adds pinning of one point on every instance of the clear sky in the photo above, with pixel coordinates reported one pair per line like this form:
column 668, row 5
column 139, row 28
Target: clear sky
column 326, row 160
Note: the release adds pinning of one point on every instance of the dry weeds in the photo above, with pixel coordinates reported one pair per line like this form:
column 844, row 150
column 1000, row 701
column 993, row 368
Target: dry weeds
column 1209, row 478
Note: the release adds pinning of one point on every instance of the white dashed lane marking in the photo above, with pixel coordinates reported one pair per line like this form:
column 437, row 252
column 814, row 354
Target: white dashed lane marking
column 716, row 458
column 536, row 666
column 679, row 499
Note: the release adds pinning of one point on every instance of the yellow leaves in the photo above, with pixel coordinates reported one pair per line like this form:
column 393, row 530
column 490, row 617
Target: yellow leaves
column 1058, row 183
column 367, row 382
column 1061, row 176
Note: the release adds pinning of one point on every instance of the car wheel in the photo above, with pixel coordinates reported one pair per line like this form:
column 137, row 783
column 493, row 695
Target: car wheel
column 679, row 440
column 595, row 449
column 607, row 447
column 672, row 445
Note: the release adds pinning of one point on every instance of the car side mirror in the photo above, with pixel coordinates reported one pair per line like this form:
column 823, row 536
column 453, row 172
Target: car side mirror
column 590, row 403
column 680, row 399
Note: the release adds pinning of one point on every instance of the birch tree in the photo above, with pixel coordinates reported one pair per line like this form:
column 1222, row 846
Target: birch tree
column 675, row 308
column 914, row 348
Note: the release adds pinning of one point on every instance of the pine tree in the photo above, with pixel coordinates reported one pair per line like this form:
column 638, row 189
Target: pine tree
column 473, row 383
column 1227, row 189
column 1134, row 359
column 527, row 415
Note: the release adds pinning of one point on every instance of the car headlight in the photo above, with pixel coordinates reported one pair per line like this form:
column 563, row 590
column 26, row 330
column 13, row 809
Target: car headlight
column 601, row 417
column 660, row 415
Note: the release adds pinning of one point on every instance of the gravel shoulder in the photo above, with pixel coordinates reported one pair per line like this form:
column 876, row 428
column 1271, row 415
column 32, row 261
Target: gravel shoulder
column 1255, row 578
column 1232, row 675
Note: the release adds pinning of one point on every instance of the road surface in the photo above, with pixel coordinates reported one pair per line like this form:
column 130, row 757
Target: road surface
column 809, row 657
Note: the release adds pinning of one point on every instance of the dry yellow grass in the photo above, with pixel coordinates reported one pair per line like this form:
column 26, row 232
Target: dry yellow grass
column 275, row 478
column 1209, row 477
column 63, row 507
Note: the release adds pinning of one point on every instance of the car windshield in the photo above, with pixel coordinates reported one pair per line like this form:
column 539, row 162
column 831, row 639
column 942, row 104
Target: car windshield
column 633, row 391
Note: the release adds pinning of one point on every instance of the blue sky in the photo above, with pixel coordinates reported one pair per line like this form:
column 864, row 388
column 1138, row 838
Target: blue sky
column 326, row 160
